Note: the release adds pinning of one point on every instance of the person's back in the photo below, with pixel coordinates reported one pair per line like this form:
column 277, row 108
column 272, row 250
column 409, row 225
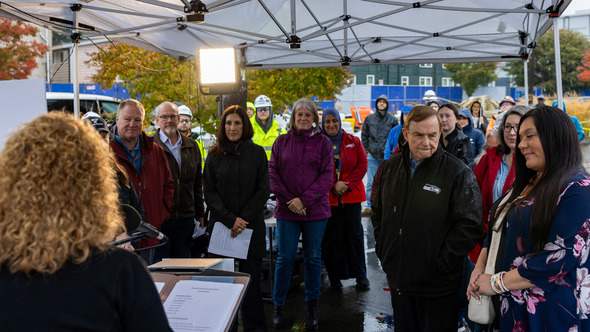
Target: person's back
column 83, row 297
column 57, row 271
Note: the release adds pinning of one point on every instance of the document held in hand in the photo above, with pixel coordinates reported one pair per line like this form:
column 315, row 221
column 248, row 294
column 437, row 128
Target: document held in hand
column 221, row 242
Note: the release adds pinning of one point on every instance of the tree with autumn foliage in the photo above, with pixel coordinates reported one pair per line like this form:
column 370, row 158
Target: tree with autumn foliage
column 472, row 75
column 584, row 76
column 154, row 78
column 18, row 55
column 573, row 46
column 285, row 86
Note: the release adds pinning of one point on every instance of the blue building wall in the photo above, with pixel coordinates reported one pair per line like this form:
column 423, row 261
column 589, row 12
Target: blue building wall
column 401, row 95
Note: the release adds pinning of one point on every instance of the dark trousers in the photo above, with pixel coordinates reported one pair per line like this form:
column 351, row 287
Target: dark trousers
column 253, row 317
column 179, row 233
column 424, row 314
column 343, row 247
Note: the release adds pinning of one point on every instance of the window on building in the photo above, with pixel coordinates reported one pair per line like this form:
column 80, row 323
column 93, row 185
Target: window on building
column 370, row 79
column 352, row 80
column 425, row 65
column 425, row 81
column 405, row 80
column 444, row 66
column 447, row 81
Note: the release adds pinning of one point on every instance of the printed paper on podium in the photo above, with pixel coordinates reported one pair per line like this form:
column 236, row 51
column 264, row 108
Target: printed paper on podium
column 221, row 242
column 213, row 301
column 207, row 303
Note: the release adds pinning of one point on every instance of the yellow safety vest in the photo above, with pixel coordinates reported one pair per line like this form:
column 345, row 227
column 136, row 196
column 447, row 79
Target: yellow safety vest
column 266, row 140
column 201, row 149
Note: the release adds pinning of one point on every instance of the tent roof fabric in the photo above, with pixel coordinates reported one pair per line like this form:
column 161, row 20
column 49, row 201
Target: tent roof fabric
column 321, row 33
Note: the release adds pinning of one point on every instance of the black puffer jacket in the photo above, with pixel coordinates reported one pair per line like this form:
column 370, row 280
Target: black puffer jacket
column 376, row 127
column 425, row 225
column 459, row 146
column 236, row 185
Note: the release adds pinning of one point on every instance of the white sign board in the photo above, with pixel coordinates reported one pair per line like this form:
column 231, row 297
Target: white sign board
column 22, row 101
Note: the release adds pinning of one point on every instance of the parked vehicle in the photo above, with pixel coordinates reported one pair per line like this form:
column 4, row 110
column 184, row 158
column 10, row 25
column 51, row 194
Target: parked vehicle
column 104, row 105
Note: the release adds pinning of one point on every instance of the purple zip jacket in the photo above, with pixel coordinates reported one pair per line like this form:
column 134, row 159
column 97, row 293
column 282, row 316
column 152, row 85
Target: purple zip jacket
column 301, row 165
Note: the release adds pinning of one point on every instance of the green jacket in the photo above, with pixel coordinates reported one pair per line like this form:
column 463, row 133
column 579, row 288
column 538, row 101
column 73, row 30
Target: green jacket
column 266, row 140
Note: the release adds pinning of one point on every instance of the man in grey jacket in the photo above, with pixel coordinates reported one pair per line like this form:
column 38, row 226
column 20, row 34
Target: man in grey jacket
column 376, row 127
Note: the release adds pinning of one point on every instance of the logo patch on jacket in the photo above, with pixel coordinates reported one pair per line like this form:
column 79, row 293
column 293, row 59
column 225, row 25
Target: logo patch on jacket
column 431, row 188
column 351, row 145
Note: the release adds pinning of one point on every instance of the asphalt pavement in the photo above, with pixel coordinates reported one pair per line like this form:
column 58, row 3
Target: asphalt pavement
column 346, row 309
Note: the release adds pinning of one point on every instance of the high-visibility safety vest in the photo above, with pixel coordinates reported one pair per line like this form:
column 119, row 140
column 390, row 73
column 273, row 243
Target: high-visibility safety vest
column 266, row 140
column 202, row 149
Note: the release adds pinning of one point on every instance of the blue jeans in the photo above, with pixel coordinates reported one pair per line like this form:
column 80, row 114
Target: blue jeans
column 372, row 165
column 288, row 236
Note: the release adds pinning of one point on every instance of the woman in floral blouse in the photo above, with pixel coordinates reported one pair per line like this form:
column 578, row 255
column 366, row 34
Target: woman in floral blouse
column 542, row 278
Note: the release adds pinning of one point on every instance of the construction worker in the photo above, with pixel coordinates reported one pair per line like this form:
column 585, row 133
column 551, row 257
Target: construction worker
column 266, row 130
column 184, row 127
column 250, row 109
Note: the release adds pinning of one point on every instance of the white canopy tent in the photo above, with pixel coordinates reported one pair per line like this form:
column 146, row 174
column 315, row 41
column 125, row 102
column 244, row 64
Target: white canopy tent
column 309, row 33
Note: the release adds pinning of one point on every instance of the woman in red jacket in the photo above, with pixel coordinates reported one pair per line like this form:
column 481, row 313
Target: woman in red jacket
column 495, row 170
column 343, row 248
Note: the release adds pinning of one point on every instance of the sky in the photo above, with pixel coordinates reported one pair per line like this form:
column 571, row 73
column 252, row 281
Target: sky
column 576, row 5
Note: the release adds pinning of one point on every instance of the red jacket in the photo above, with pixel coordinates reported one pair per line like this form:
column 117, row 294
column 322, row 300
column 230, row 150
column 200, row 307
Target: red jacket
column 154, row 186
column 485, row 172
column 353, row 161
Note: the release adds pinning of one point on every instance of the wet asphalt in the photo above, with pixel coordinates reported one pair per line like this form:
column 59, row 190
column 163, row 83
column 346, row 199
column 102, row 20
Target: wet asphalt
column 346, row 309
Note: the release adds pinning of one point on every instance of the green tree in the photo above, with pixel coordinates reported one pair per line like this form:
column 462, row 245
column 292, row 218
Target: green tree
column 472, row 75
column 285, row 86
column 153, row 78
column 17, row 56
column 573, row 45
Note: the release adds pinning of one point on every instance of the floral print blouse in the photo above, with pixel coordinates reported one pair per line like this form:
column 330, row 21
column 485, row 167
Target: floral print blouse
column 560, row 300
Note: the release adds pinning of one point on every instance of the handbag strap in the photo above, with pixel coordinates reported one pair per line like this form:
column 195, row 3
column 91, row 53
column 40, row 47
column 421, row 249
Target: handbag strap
column 496, row 236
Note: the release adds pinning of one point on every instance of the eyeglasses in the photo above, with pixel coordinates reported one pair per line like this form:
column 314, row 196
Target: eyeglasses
column 508, row 128
column 263, row 109
column 506, row 104
column 185, row 120
column 168, row 117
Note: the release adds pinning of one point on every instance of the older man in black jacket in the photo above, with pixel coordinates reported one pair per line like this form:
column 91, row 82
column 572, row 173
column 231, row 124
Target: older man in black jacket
column 184, row 159
column 427, row 217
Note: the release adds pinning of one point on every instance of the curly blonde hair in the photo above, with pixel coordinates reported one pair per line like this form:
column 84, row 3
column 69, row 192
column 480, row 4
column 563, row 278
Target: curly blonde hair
column 59, row 195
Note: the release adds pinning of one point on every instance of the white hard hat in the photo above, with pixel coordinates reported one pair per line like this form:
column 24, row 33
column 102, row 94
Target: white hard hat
column 184, row 110
column 262, row 101
column 90, row 115
column 430, row 95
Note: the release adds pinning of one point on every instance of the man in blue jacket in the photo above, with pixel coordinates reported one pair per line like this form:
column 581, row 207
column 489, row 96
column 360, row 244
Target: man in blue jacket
column 475, row 136
column 376, row 127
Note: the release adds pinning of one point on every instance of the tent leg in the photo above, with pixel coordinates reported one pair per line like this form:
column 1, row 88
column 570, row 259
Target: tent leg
column 557, row 62
column 526, row 82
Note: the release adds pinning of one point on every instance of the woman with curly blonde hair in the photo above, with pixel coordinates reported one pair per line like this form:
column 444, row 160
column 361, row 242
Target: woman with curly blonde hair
column 58, row 209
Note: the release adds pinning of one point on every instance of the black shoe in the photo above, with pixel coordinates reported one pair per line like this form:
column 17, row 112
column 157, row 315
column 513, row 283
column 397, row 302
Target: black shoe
column 335, row 284
column 278, row 320
column 362, row 283
column 312, row 315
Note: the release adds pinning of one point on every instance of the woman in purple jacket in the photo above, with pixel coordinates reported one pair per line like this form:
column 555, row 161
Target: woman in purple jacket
column 301, row 171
